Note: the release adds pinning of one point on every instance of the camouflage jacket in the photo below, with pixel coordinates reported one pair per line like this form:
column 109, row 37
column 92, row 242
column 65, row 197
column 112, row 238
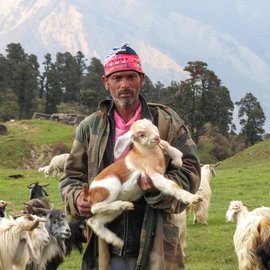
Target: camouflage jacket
column 160, row 240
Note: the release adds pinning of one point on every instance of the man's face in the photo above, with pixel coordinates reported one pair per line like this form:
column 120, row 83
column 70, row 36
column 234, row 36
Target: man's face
column 124, row 87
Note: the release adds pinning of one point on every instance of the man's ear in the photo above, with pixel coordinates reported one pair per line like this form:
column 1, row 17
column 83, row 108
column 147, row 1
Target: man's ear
column 105, row 83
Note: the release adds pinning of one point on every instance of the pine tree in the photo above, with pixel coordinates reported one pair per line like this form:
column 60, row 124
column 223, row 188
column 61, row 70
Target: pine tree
column 22, row 73
column 203, row 99
column 52, row 86
column 252, row 119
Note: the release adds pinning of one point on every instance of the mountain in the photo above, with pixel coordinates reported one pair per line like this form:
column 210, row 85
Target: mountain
column 232, row 37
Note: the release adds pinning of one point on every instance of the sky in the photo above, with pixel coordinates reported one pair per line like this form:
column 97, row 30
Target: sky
column 231, row 36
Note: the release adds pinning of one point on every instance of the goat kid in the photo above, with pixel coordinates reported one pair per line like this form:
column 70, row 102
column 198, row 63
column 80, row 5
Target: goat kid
column 113, row 189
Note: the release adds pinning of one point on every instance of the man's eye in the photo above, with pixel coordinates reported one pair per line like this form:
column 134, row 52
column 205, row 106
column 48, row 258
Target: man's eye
column 132, row 76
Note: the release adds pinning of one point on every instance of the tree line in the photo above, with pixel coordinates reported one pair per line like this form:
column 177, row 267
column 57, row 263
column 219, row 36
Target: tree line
column 69, row 84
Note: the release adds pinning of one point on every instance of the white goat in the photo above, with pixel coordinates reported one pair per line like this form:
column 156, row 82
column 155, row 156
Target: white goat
column 252, row 229
column 56, row 165
column 183, row 230
column 39, row 237
column 45, row 170
column 112, row 190
column 14, row 237
column 200, row 211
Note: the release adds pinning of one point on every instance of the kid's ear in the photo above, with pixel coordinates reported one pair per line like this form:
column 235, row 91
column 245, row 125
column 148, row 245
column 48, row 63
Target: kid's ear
column 122, row 143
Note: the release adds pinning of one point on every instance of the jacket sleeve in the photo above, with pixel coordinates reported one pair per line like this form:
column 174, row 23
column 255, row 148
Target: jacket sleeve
column 75, row 175
column 187, row 177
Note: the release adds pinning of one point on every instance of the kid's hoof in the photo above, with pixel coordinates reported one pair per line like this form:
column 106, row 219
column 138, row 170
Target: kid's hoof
column 177, row 163
column 118, row 243
column 197, row 199
column 127, row 206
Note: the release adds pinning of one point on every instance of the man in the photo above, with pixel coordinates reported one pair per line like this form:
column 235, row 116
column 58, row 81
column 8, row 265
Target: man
column 150, row 232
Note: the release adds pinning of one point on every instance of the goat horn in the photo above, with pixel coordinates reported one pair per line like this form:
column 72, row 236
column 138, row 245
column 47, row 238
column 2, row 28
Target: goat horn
column 32, row 184
column 218, row 163
column 33, row 209
column 247, row 205
column 212, row 165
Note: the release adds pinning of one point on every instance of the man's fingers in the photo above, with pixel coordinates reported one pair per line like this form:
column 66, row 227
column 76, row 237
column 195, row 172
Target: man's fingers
column 83, row 206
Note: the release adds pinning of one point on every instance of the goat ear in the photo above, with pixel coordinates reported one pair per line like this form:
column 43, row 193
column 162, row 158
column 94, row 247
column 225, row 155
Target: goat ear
column 229, row 215
column 122, row 143
column 213, row 172
column 85, row 192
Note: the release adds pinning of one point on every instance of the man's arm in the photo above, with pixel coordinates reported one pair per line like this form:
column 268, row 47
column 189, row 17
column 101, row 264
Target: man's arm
column 74, row 178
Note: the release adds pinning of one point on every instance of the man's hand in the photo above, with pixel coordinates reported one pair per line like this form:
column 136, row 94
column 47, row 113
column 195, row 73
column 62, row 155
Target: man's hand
column 83, row 206
column 146, row 184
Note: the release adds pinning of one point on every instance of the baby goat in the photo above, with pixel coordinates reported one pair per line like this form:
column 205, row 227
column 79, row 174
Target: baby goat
column 112, row 190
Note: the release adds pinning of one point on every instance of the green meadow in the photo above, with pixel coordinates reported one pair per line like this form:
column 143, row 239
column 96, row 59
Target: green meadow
column 244, row 177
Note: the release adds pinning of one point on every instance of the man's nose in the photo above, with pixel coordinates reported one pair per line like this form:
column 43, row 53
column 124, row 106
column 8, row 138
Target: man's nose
column 124, row 83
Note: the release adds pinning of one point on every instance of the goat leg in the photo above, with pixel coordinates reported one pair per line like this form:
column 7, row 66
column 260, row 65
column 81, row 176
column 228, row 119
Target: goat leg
column 169, row 187
column 172, row 152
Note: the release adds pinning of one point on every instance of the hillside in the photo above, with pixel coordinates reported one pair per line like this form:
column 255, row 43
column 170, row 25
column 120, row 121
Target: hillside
column 258, row 153
column 243, row 177
column 32, row 143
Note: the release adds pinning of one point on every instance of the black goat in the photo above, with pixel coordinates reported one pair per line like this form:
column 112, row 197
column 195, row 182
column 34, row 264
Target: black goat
column 3, row 205
column 78, row 236
column 37, row 190
column 37, row 206
column 57, row 225
column 75, row 241
column 263, row 252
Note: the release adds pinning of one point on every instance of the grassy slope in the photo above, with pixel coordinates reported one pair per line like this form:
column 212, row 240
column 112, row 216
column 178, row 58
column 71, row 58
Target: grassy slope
column 24, row 135
column 244, row 177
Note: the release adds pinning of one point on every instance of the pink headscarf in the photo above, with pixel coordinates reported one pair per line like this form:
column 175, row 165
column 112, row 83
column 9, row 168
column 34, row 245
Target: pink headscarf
column 122, row 58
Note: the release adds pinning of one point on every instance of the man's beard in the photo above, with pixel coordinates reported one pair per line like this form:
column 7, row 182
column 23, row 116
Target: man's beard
column 125, row 102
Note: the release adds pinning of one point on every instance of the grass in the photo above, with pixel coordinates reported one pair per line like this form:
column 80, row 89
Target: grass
column 243, row 177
